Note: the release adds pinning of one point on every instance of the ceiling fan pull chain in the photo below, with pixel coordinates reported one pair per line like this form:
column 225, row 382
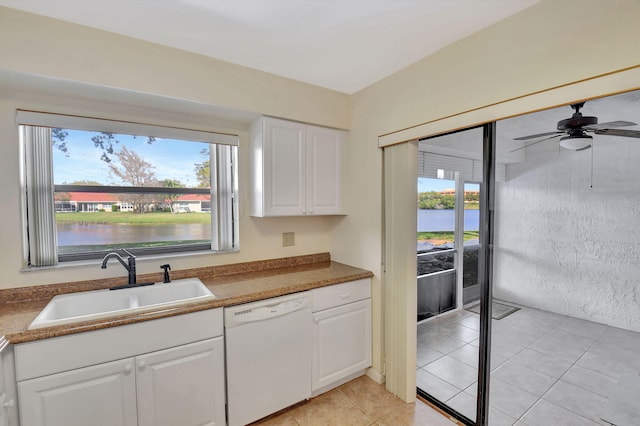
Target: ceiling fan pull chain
column 592, row 167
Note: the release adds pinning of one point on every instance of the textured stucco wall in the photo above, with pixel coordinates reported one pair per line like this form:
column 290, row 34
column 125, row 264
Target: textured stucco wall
column 568, row 248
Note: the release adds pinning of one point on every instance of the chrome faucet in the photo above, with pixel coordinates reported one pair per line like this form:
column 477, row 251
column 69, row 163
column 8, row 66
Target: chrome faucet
column 130, row 265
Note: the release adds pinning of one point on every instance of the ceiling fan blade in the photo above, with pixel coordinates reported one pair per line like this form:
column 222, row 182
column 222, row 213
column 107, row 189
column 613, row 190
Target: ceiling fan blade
column 618, row 132
column 539, row 135
column 535, row 143
column 609, row 124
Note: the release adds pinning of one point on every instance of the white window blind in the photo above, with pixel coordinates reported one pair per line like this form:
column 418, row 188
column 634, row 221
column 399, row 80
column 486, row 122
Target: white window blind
column 470, row 170
column 224, row 188
column 41, row 211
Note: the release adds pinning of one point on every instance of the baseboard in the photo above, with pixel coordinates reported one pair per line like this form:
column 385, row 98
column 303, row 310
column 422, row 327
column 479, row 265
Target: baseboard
column 376, row 376
column 337, row 383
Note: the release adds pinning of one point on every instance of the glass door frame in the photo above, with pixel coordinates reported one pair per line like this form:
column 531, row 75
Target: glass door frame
column 460, row 230
column 485, row 269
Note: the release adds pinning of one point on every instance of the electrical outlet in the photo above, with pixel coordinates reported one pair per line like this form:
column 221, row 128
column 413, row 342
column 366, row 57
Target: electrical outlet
column 288, row 239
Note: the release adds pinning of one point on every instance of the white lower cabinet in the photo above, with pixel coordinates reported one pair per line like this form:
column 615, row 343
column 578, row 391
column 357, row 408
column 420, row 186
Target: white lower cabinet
column 182, row 386
column 103, row 394
column 164, row 372
column 126, row 376
column 341, row 334
column 8, row 410
column 178, row 386
column 4, row 416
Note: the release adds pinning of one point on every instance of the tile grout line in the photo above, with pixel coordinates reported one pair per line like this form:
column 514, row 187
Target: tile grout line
column 521, row 350
column 547, row 334
column 563, row 374
column 554, row 383
column 357, row 406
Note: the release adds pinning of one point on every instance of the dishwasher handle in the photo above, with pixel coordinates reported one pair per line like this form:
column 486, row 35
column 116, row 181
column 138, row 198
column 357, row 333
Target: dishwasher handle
column 274, row 309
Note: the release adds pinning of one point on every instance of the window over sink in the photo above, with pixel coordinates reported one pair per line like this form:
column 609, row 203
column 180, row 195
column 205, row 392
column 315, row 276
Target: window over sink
column 92, row 186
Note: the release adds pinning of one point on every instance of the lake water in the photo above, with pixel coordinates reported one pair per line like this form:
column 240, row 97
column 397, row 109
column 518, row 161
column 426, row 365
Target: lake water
column 444, row 220
column 77, row 234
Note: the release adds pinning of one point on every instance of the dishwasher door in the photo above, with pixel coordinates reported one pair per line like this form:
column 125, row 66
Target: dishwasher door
column 268, row 346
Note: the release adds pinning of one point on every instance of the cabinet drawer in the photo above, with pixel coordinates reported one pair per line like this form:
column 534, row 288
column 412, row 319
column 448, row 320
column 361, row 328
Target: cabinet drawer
column 340, row 294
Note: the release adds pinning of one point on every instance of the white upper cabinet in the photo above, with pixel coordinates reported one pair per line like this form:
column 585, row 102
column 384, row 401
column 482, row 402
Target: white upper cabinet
column 324, row 170
column 296, row 169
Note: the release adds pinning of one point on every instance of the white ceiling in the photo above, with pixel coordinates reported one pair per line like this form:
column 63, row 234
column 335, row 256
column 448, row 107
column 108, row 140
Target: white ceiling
column 344, row 45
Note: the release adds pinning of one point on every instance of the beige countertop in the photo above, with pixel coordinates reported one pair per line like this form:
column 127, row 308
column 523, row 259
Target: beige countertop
column 231, row 284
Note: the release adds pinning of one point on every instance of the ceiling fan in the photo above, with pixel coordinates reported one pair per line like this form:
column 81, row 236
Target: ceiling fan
column 573, row 131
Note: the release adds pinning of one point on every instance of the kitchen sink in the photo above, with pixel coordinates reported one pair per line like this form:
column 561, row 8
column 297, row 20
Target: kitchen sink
column 89, row 305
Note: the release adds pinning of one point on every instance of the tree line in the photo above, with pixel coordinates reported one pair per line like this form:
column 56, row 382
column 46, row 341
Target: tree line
column 433, row 200
column 134, row 170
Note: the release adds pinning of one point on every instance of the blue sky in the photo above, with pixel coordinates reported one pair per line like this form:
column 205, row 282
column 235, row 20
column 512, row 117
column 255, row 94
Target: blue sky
column 172, row 159
column 428, row 184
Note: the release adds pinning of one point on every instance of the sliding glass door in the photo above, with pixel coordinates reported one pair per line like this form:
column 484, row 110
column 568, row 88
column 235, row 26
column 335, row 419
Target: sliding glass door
column 546, row 338
column 450, row 256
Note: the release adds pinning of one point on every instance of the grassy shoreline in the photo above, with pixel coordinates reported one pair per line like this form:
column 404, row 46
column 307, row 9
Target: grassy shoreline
column 446, row 236
column 469, row 206
column 129, row 218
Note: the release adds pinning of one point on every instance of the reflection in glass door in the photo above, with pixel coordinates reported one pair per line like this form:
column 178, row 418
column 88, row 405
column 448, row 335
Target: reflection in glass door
column 471, row 246
column 435, row 247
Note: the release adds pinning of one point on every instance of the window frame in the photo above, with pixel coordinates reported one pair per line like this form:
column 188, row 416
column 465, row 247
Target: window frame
column 223, row 189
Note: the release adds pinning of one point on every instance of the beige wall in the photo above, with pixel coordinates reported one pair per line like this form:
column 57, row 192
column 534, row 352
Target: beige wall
column 60, row 67
column 37, row 45
column 553, row 43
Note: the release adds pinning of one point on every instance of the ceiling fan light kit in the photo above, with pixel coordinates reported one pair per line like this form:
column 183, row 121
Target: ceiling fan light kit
column 576, row 142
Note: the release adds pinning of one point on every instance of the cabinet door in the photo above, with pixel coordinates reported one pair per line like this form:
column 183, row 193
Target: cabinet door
column 4, row 415
column 324, row 170
column 284, row 165
column 103, row 394
column 182, row 386
column 341, row 343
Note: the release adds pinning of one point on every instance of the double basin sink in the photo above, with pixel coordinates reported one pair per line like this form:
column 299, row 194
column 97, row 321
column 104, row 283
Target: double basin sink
column 96, row 304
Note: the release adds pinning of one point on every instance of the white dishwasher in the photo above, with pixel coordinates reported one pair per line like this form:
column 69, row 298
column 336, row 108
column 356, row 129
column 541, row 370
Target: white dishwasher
column 268, row 345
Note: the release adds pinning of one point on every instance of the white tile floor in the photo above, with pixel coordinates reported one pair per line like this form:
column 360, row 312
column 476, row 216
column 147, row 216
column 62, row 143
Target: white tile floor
column 547, row 369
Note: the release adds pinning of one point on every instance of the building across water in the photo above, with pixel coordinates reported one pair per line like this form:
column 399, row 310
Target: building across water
column 98, row 202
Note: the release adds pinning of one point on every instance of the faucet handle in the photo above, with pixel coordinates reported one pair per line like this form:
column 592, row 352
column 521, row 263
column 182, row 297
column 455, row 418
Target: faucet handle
column 166, row 268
